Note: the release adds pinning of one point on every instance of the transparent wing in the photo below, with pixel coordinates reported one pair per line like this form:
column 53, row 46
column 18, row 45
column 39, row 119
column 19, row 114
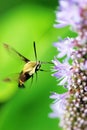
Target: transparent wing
column 10, row 49
column 10, row 78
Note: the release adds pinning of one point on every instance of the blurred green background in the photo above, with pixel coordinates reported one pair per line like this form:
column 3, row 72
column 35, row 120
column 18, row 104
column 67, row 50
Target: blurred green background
column 21, row 23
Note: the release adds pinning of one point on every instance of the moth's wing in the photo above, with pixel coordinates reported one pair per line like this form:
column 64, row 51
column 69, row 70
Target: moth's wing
column 10, row 49
column 11, row 78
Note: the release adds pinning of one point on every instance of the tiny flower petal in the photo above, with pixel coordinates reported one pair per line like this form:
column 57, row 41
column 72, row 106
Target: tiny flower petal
column 85, row 65
column 65, row 47
column 58, row 106
column 62, row 72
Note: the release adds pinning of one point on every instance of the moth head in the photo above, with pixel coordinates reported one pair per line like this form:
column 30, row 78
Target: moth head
column 38, row 65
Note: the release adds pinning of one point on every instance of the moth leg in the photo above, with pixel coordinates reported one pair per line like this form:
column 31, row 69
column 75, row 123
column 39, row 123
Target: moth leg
column 36, row 76
column 44, row 70
column 32, row 77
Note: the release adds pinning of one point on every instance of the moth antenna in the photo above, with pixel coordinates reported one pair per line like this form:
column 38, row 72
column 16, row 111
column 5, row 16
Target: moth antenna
column 35, row 52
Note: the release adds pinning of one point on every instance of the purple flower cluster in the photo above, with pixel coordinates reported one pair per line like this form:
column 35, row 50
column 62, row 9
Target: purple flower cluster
column 71, row 72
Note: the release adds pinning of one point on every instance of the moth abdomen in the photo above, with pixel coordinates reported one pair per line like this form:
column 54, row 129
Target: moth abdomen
column 22, row 78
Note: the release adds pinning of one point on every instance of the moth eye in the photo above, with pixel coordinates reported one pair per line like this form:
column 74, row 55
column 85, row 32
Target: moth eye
column 38, row 67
